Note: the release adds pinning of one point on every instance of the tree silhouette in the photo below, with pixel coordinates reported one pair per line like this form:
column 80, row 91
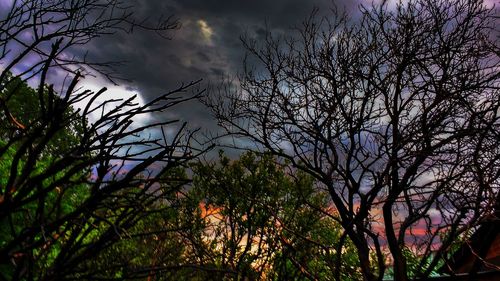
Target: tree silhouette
column 76, row 182
column 396, row 115
column 30, row 29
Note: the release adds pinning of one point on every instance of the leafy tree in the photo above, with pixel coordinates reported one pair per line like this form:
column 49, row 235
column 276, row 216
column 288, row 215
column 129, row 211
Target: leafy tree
column 154, row 247
column 71, row 189
column 22, row 110
column 60, row 211
column 396, row 115
column 258, row 222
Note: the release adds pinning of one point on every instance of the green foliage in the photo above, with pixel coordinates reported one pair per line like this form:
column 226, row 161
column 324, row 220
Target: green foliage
column 264, row 220
column 49, row 199
column 249, row 218
column 154, row 246
column 25, row 109
column 74, row 193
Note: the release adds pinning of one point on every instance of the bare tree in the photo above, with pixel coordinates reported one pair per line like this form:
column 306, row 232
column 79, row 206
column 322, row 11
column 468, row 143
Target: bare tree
column 72, row 186
column 397, row 115
column 60, row 211
column 29, row 28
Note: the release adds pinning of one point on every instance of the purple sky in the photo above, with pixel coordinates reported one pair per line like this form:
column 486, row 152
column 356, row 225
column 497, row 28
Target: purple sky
column 207, row 46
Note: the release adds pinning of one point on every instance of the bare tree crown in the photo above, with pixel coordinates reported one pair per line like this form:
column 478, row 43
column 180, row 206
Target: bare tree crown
column 396, row 115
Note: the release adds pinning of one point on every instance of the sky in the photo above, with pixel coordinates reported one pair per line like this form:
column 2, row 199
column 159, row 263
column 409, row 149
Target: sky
column 207, row 46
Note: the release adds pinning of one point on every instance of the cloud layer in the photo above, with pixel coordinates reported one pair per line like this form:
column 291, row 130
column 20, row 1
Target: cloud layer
column 207, row 46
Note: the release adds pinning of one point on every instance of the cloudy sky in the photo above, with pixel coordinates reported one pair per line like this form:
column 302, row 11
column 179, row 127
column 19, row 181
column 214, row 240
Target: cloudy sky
column 207, row 46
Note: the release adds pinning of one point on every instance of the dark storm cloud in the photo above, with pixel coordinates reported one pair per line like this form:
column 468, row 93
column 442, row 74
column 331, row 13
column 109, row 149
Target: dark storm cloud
column 207, row 46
